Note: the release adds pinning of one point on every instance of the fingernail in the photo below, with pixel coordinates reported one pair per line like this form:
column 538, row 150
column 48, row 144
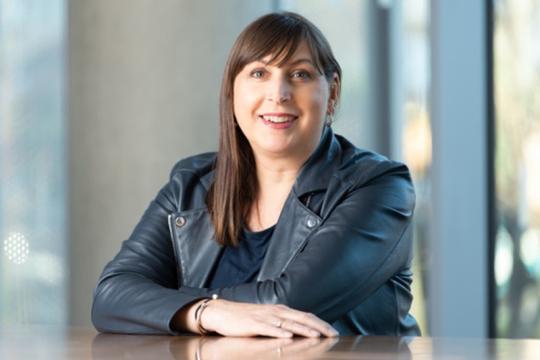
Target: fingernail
column 315, row 333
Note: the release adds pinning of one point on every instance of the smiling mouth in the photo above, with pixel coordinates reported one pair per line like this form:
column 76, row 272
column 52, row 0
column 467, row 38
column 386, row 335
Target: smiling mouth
column 278, row 119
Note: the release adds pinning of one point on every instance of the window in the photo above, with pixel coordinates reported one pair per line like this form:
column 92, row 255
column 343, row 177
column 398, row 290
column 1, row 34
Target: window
column 517, row 167
column 32, row 163
column 416, row 140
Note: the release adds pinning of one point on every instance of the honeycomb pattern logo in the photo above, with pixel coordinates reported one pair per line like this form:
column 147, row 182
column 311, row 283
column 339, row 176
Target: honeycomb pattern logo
column 16, row 248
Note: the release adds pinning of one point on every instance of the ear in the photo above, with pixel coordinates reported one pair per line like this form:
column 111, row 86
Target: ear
column 333, row 97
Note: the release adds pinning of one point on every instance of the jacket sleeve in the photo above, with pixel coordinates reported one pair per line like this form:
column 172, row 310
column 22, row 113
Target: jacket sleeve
column 361, row 245
column 138, row 290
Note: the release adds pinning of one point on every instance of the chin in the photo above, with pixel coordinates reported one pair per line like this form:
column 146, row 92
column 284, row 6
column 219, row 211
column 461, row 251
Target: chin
column 277, row 149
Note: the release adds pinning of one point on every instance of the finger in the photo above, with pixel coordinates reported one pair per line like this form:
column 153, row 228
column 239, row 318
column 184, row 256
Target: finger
column 299, row 329
column 273, row 331
column 313, row 321
column 309, row 320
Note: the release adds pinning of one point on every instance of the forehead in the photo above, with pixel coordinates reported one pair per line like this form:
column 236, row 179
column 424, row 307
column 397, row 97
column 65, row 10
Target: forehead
column 285, row 56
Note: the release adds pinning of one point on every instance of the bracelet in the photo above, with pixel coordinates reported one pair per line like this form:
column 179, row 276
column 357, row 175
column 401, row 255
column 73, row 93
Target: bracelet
column 199, row 311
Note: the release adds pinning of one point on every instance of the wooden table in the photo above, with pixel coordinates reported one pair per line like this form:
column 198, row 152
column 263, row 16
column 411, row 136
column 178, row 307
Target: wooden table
column 78, row 343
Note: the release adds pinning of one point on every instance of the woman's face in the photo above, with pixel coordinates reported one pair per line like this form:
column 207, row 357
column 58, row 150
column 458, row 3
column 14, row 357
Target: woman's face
column 282, row 110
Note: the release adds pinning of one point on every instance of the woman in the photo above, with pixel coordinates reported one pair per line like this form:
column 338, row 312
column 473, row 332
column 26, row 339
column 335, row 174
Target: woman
column 287, row 229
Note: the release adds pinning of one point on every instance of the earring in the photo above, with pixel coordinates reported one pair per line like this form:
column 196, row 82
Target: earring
column 330, row 113
column 329, row 119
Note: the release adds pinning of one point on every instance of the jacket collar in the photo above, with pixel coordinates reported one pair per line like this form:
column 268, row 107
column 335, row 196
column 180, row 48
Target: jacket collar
column 320, row 166
column 316, row 171
column 197, row 254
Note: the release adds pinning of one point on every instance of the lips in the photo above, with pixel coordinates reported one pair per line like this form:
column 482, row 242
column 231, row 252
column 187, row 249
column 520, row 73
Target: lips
column 278, row 120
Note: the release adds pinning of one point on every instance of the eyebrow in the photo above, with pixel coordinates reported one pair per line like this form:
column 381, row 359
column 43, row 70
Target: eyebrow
column 295, row 62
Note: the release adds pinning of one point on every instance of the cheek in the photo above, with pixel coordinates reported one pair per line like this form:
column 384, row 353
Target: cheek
column 245, row 101
column 316, row 100
column 237, row 100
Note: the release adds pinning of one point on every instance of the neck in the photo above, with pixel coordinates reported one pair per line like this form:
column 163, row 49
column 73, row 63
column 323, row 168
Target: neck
column 277, row 173
column 275, row 179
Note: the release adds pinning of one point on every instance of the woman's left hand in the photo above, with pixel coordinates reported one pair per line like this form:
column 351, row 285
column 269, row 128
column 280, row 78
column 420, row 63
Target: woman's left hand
column 231, row 318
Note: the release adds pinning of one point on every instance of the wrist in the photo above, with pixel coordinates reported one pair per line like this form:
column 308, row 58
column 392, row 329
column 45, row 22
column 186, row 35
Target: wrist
column 204, row 326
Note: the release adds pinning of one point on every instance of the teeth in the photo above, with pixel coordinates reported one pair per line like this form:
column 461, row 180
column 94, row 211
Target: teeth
column 278, row 119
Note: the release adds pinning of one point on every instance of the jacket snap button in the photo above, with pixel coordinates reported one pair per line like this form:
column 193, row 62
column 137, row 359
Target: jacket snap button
column 311, row 222
column 180, row 221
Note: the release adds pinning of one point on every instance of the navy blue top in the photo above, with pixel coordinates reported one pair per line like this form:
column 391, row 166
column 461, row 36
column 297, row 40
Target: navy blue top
column 241, row 264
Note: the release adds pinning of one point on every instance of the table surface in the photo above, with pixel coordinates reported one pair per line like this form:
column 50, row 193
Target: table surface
column 83, row 343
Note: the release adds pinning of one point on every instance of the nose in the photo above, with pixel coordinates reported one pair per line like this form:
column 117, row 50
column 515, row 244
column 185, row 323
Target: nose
column 278, row 91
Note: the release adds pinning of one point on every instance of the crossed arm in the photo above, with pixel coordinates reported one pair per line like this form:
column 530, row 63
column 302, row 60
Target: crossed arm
column 354, row 251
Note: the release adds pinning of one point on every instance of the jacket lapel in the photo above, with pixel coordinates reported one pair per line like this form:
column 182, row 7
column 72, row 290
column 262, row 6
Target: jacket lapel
column 195, row 247
column 193, row 234
column 295, row 224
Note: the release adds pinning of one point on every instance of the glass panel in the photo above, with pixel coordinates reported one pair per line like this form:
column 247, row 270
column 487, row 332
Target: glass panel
column 517, row 167
column 32, row 163
column 416, row 140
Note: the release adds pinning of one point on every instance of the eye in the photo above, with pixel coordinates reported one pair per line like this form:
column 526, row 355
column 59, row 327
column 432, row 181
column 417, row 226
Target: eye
column 301, row 74
column 257, row 73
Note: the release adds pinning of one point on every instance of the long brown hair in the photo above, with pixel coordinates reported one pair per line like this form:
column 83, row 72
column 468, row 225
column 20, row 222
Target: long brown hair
column 235, row 186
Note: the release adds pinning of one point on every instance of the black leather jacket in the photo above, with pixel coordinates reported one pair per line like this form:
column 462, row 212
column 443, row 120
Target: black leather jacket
column 342, row 248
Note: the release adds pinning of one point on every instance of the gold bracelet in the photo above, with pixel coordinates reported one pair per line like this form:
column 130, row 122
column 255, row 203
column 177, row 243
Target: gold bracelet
column 199, row 311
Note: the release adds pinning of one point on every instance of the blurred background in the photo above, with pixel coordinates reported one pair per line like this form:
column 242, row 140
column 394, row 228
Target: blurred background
column 98, row 100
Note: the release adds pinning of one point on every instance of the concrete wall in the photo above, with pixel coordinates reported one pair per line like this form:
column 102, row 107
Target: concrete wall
column 143, row 91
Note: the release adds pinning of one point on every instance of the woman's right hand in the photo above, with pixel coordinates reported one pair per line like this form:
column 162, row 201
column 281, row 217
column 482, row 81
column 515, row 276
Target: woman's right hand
column 231, row 318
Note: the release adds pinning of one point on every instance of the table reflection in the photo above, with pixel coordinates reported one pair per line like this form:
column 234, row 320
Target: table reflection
column 38, row 342
column 215, row 347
